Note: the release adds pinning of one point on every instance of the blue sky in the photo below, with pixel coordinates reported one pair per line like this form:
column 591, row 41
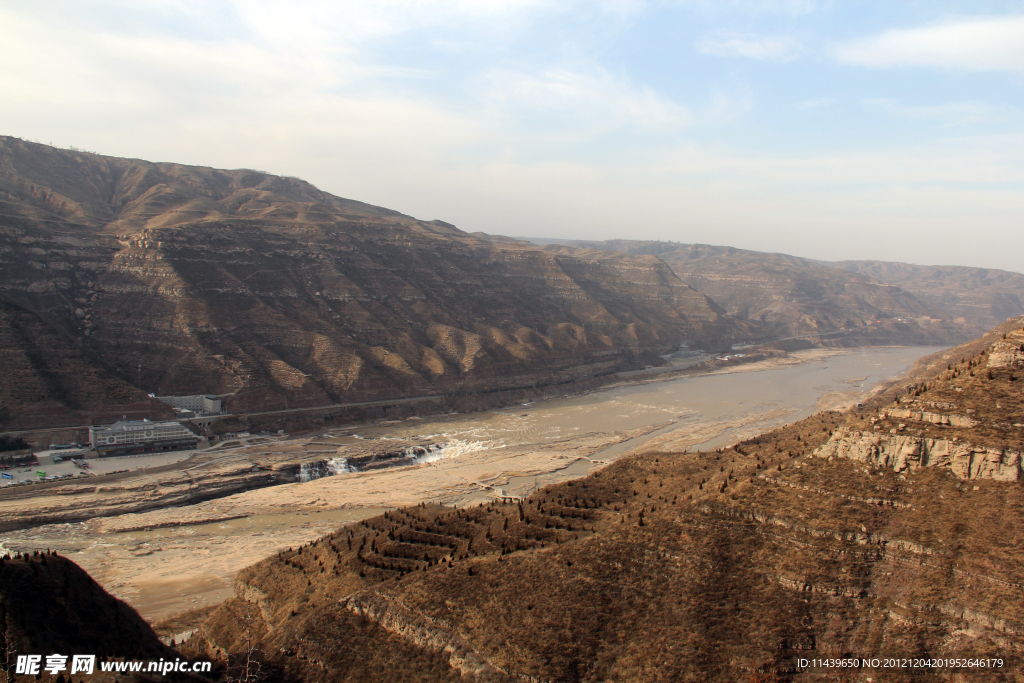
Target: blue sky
column 833, row 130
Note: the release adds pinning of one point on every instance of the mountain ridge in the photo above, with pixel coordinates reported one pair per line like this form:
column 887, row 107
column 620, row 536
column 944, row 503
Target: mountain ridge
column 171, row 279
column 796, row 295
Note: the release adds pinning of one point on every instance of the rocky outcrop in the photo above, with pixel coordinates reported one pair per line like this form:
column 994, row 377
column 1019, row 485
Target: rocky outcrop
column 1007, row 353
column 908, row 453
column 962, row 416
column 946, row 419
column 393, row 616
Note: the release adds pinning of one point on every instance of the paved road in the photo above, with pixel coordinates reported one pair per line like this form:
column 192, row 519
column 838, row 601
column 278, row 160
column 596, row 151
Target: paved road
column 211, row 418
column 392, row 402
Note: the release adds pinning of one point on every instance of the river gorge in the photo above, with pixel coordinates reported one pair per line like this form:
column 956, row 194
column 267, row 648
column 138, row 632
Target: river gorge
column 169, row 559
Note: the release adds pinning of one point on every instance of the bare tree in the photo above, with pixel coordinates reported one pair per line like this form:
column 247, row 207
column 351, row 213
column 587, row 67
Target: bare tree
column 9, row 653
column 249, row 666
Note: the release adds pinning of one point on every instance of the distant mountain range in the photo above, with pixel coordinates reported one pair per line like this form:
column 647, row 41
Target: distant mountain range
column 123, row 277
column 788, row 295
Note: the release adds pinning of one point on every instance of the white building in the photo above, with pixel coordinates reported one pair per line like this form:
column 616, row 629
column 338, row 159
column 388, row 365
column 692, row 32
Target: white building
column 139, row 436
column 200, row 403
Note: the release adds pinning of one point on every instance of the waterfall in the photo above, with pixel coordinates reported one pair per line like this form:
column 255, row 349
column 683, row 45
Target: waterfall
column 452, row 449
column 409, row 455
column 305, row 472
column 308, row 471
column 339, row 466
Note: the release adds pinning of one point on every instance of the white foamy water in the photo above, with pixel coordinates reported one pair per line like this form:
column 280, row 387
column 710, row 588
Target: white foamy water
column 454, row 449
column 338, row 466
column 309, row 471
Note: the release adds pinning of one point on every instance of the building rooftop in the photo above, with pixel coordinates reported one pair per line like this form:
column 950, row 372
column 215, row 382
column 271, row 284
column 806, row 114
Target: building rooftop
column 137, row 424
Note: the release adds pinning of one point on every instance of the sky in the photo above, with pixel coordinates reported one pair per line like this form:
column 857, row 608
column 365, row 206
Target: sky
column 826, row 129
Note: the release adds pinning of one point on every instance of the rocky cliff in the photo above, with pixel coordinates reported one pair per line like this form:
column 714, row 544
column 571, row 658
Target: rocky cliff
column 171, row 279
column 967, row 418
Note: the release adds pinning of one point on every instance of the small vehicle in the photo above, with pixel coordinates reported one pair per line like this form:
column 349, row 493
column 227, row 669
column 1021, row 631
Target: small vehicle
column 5, row 475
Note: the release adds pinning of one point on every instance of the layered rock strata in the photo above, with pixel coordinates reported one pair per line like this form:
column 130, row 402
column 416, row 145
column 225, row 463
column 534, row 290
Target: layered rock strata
column 968, row 417
column 173, row 279
column 839, row 303
column 907, row 453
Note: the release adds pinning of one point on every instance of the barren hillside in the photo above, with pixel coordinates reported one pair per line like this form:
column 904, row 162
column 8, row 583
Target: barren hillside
column 180, row 279
column 890, row 531
column 981, row 296
column 846, row 303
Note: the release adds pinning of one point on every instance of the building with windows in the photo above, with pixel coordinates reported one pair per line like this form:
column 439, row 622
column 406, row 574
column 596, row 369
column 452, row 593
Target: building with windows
column 206, row 404
column 140, row 436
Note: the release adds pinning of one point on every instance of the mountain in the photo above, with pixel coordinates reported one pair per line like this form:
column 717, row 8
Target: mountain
column 870, row 302
column 891, row 531
column 49, row 605
column 171, row 279
column 979, row 296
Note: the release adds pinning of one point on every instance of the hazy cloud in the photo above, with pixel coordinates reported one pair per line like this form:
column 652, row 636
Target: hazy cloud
column 775, row 48
column 793, row 8
column 565, row 117
column 977, row 43
column 594, row 97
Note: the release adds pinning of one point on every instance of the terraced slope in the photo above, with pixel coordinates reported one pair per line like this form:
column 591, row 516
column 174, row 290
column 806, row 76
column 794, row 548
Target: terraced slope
column 181, row 280
column 48, row 380
column 723, row 566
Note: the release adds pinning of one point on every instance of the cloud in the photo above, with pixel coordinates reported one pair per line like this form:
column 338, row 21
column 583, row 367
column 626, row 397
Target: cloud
column 774, row 48
column 748, row 8
column 530, row 122
column 594, row 98
column 971, row 44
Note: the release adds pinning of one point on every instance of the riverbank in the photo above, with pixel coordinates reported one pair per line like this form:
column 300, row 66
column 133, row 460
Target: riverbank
column 167, row 560
column 175, row 554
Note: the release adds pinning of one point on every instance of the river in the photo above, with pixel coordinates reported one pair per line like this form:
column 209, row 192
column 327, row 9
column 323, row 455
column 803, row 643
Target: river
column 738, row 399
column 165, row 570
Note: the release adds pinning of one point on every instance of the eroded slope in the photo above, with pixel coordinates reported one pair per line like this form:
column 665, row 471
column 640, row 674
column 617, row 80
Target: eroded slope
column 980, row 296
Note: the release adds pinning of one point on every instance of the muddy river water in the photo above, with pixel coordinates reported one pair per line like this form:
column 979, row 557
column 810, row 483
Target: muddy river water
column 163, row 570
column 737, row 400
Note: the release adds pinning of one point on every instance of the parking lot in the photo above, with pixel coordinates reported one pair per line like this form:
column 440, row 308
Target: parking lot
column 96, row 465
